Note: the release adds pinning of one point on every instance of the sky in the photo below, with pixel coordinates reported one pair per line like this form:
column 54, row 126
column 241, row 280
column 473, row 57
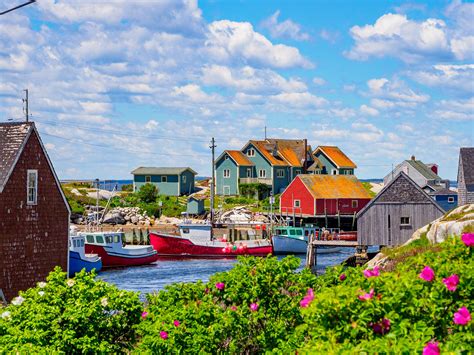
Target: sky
column 118, row 84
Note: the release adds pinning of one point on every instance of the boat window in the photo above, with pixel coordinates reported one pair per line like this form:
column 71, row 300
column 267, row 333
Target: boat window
column 299, row 232
column 109, row 239
column 292, row 232
column 306, row 232
column 185, row 230
column 90, row 239
column 99, row 239
column 116, row 238
column 82, row 243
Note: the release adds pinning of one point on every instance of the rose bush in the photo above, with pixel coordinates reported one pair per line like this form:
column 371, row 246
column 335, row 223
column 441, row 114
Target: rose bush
column 79, row 315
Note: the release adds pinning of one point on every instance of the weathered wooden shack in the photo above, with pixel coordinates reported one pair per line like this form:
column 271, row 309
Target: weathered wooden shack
column 34, row 214
column 466, row 176
column 395, row 213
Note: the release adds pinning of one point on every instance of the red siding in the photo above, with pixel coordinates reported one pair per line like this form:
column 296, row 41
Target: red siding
column 33, row 239
column 297, row 191
column 343, row 206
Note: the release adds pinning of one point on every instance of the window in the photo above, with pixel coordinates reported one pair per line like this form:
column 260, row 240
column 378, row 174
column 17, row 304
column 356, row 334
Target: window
column 117, row 238
column 185, row 230
column 184, row 178
column 450, row 199
column 226, row 173
column 251, row 152
column 299, row 232
column 334, row 171
column 90, row 239
column 147, row 179
column 262, row 173
column 99, row 239
column 355, row 203
column 249, row 172
column 164, row 179
column 297, row 172
column 292, row 232
column 226, row 157
column 109, row 239
column 32, row 187
column 404, row 221
column 296, row 203
column 280, row 173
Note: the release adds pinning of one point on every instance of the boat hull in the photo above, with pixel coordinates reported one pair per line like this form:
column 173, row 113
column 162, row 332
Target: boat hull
column 76, row 264
column 286, row 245
column 116, row 259
column 173, row 246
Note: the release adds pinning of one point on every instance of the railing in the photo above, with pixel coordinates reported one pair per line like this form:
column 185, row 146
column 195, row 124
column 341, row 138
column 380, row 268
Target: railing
column 255, row 181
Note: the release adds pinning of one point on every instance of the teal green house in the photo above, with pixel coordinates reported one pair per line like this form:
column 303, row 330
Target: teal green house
column 273, row 162
column 195, row 206
column 333, row 161
column 169, row 181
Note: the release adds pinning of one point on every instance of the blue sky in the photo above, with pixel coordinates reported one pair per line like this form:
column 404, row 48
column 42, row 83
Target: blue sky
column 120, row 84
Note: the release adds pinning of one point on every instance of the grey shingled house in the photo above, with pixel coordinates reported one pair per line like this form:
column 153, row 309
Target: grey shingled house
column 395, row 213
column 466, row 176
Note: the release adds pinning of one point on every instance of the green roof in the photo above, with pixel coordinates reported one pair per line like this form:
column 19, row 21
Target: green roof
column 161, row 171
column 423, row 169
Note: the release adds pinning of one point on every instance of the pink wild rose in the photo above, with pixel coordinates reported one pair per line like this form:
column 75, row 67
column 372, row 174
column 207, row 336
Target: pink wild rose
column 307, row 299
column 144, row 314
column 220, row 285
column 342, row 277
column 233, row 308
column 372, row 273
column 431, row 348
column 468, row 239
column 163, row 335
column 427, row 274
column 381, row 327
column 176, row 323
column 462, row 316
column 367, row 296
column 254, row 307
column 451, row 282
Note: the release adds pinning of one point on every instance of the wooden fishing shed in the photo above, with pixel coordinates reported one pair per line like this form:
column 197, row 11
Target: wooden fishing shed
column 396, row 213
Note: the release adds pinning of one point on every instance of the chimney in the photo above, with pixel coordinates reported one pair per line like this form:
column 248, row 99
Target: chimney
column 413, row 157
column 433, row 167
column 305, row 155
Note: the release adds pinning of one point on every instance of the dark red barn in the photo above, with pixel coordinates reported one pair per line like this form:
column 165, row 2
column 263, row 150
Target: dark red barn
column 34, row 214
column 320, row 195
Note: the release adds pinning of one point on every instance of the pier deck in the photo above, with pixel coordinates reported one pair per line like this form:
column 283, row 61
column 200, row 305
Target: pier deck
column 335, row 243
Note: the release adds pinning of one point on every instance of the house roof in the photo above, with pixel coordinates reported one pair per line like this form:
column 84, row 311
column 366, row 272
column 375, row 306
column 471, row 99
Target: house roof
column 334, row 186
column 466, row 160
column 239, row 157
column 415, row 195
column 282, row 152
column 13, row 139
column 423, row 169
column 442, row 191
column 161, row 171
column 316, row 164
column 336, row 155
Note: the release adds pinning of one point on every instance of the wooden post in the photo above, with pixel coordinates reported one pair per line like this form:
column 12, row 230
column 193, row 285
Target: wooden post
column 311, row 255
column 142, row 239
column 353, row 220
column 148, row 236
column 134, row 238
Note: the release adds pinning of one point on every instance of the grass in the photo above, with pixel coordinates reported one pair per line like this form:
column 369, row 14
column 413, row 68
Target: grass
column 368, row 188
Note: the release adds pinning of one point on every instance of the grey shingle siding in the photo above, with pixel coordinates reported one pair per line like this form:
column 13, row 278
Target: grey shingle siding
column 466, row 176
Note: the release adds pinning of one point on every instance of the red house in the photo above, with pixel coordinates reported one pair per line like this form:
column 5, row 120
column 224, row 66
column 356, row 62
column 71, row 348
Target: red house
column 324, row 195
column 34, row 213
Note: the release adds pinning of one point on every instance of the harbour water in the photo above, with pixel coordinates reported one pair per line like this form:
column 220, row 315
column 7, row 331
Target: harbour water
column 154, row 277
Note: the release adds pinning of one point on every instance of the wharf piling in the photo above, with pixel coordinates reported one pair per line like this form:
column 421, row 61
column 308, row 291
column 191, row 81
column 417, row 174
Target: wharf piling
column 312, row 251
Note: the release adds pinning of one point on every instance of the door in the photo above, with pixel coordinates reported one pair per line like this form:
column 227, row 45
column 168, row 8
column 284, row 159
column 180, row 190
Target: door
column 226, row 190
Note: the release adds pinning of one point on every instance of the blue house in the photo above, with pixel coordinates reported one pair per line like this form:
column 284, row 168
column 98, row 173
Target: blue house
column 446, row 198
column 169, row 181
column 272, row 162
column 195, row 206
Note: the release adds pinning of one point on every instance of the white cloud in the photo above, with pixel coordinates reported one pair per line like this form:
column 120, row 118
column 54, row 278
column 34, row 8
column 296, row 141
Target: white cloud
column 455, row 110
column 304, row 100
column 319, row 81
column 229, row 39
column 456, row 77
column 330, row 36
column 395, row 35
column 387, row 94
column 286, row 29
column 369, row 111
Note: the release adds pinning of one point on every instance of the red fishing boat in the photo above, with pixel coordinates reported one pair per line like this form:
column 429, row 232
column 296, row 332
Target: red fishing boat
column 195, row 240
column 109, row 246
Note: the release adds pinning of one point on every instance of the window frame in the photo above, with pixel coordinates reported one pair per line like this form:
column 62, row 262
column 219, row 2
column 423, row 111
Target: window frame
column 34, row 201
column 226, row 173
column 297, row 203
column 147, row 179
column 264, row 175
column 249, row 172
column 405, row 224
column 164, row 178
column 356, row 204
column 183, row 178
column 450, row 199
column 280, row 173
column 251, row 152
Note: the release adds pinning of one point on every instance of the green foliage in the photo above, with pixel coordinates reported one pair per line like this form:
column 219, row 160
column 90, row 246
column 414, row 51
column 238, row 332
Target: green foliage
column 256, row 190
column 147, row 193
column 419, row 311
column 239, row 200
column 469, row 228
column 368, row 188
column 213, row 320
column 127, row 187
column 80, row 315
column 171, row 206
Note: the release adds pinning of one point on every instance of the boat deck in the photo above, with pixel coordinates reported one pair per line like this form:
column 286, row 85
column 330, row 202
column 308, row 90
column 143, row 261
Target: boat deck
column 335, row 243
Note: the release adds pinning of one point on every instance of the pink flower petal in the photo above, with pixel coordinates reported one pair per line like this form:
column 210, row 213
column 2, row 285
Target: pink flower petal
column 176, row 323
column 254, row 307
column 427, row 274
column 468, row 239
column 451, row 282
column 220, row 285
column 431, row 348
column 462, row 316
column 163, row 335
column 342, row 277
column 144, row 314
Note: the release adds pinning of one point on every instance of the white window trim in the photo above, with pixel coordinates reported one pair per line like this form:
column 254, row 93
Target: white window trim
column 297, row 203
column 280, row 173
column 334, row 172
column 405, row 224
column 35, row 201
column 249, row 172
column 147, row 179
column 164, row 178
column 450, row 199
column 226, row 176
column 184, row 179
column 251, row 152
column 264, row 175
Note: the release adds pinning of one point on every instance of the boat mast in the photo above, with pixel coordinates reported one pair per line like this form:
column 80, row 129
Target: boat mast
column 212, row 146
column 97, row 205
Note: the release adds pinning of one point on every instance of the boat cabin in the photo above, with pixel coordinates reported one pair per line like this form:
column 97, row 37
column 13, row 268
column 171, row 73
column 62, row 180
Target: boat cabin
column 196, row 232
column 101, row 239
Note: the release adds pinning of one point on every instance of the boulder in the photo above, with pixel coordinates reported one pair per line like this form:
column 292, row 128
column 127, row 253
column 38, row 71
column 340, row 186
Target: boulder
column 134, row 219
column 113, row 218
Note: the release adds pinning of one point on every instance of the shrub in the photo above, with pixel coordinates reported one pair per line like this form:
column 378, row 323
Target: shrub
column 218, row 316
column 256, row 190
column 148, row 193
column 127, row 187
column 80, row 315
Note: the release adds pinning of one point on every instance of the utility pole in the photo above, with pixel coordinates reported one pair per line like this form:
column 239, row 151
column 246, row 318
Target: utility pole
column 212, row 146
column 265, row 132
column 25, row 100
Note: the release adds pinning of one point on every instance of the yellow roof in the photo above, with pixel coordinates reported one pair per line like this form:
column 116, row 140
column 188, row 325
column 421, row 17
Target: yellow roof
column 265, row 149
column 337, row 156
column 282, row 152
column 239, row 157
column 334, row 186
